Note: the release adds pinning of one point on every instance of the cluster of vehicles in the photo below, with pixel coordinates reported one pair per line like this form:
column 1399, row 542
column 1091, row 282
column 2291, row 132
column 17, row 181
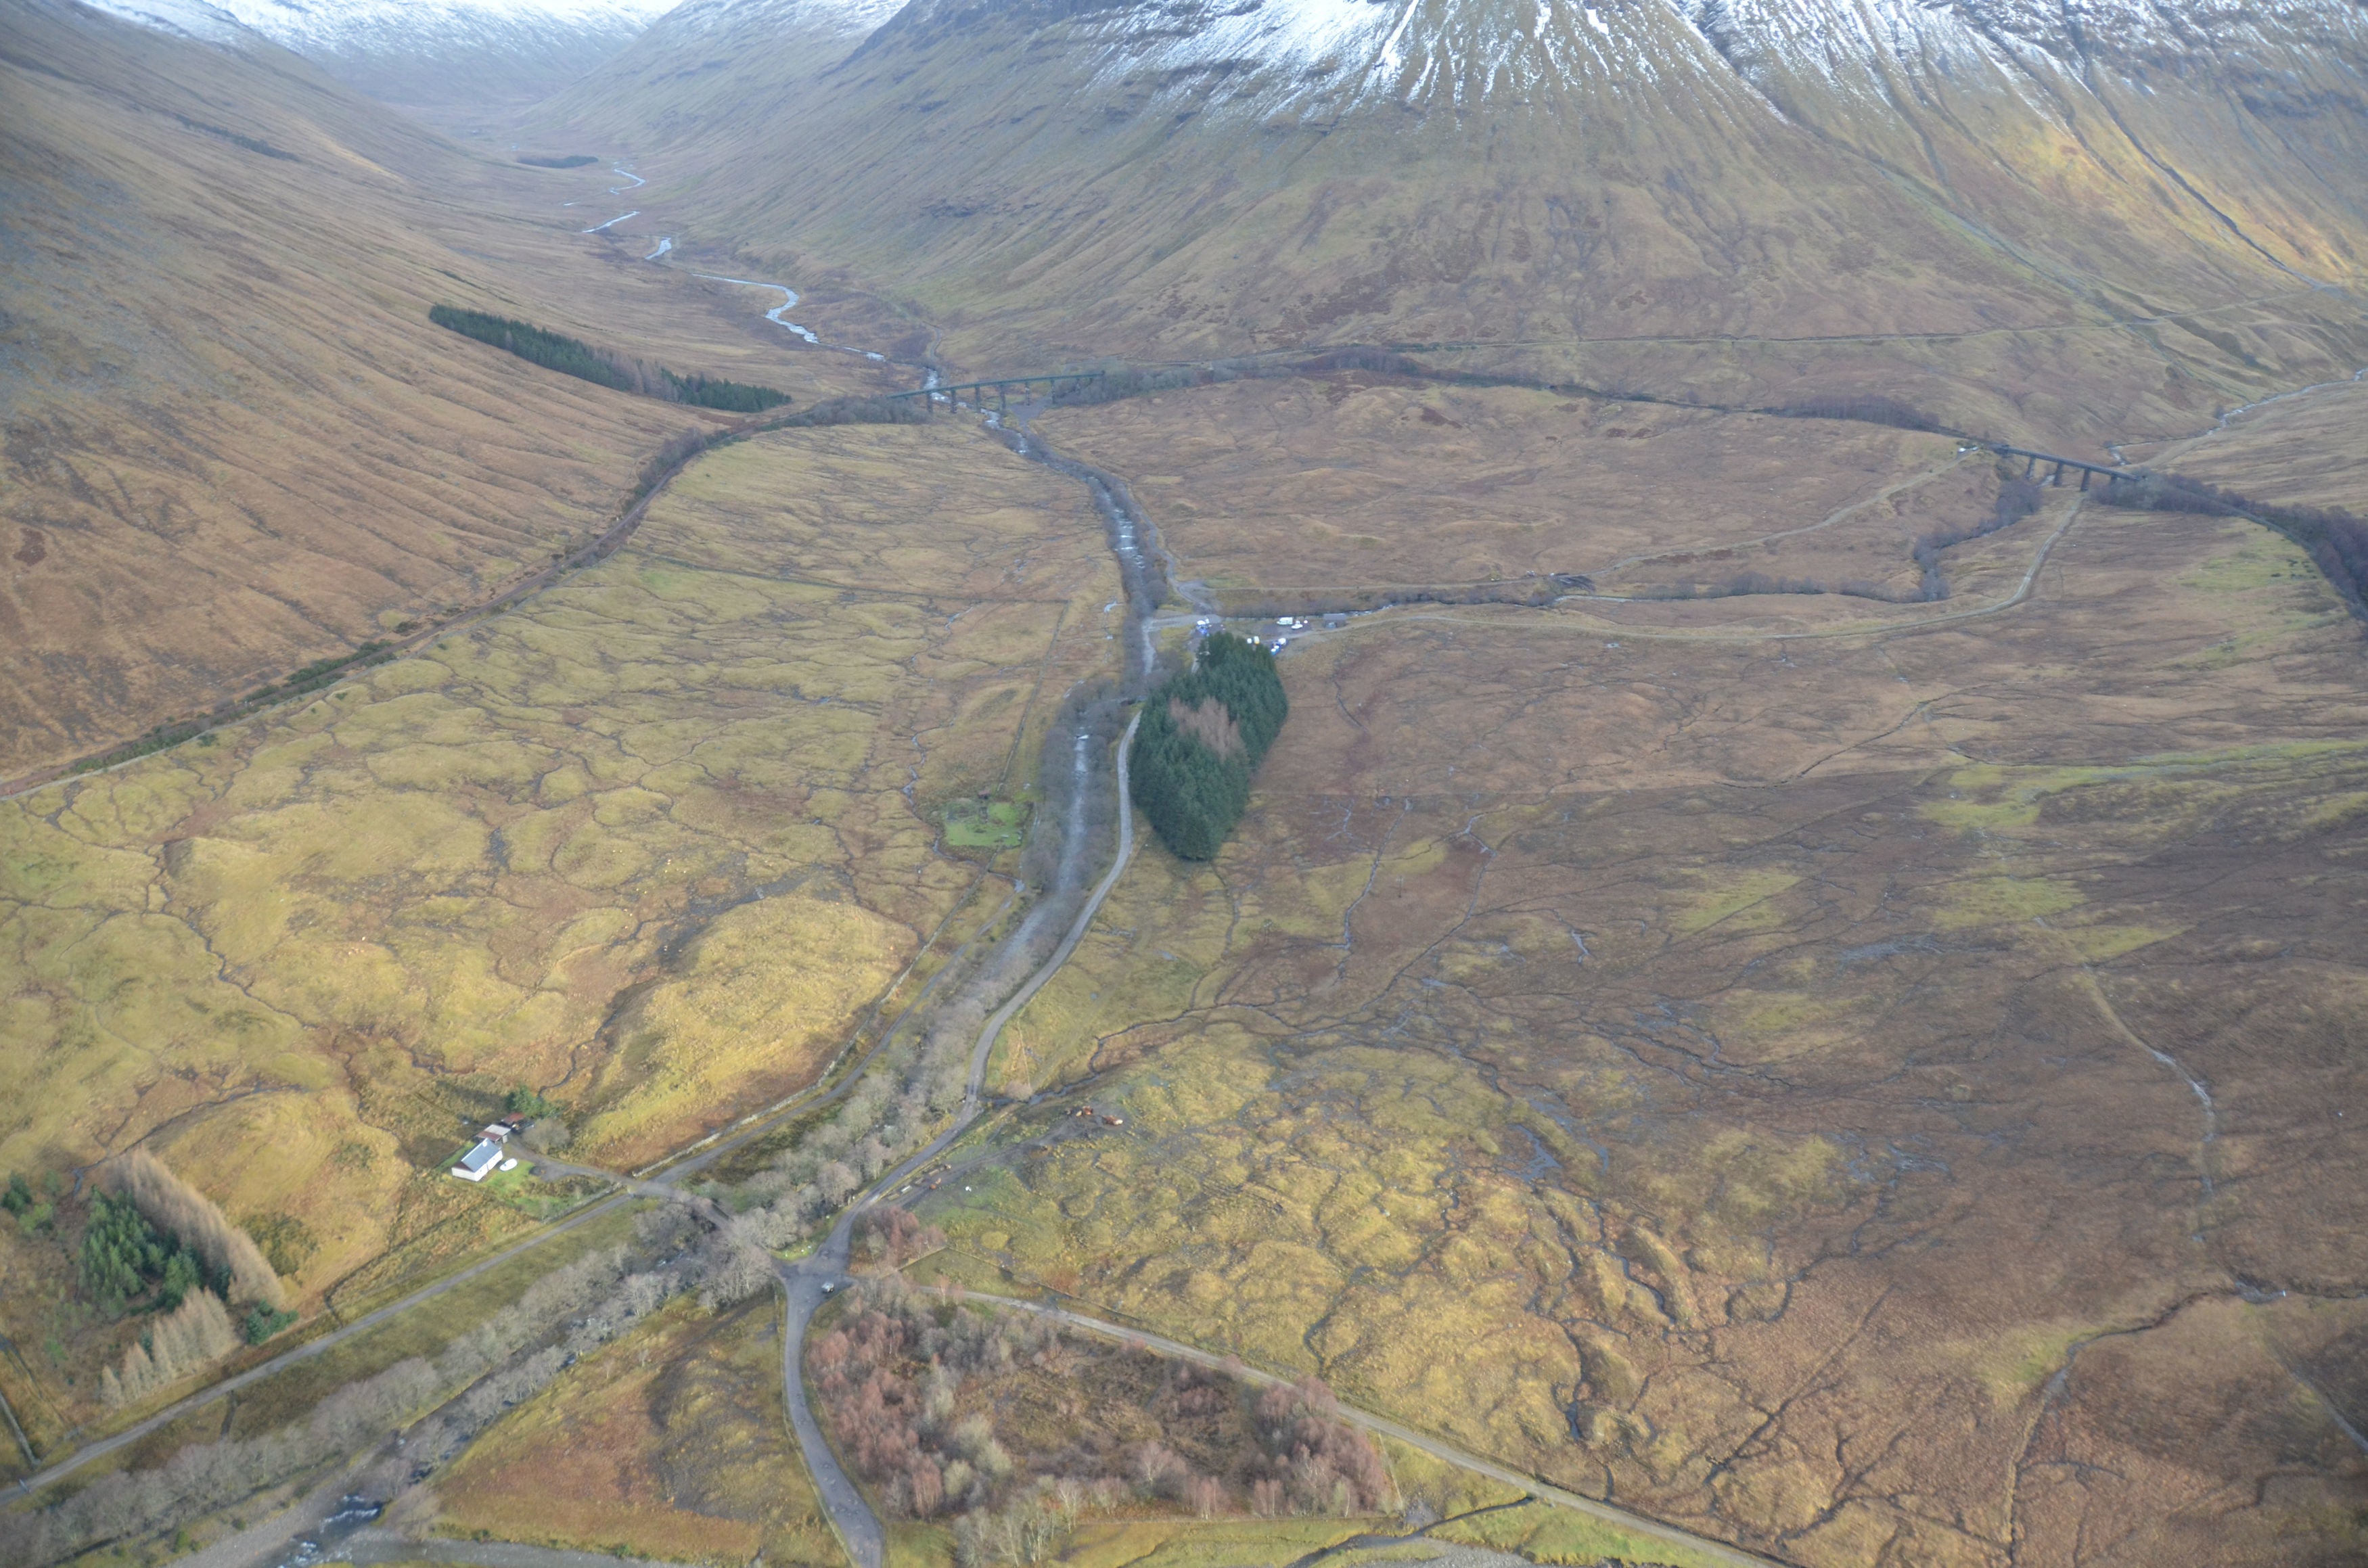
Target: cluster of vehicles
column 1285, row 627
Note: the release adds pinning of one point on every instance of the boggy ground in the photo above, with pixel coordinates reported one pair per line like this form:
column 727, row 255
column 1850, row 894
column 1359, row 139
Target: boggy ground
column 1876, row 1096
column 669, row 1444
column 1358, row 482
column 651, row 843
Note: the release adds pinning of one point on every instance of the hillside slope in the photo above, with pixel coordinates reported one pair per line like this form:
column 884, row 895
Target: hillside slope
column 234, row 443
column 711, row 63
column 447, row 53
column 2107, row 219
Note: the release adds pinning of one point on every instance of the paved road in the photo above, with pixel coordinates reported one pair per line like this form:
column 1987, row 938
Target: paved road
column 385, row 1546
column 808, row 1282
column 701, row 1155
column 305, row 1352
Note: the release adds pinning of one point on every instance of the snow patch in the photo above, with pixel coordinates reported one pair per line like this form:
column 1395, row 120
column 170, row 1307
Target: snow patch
column 328, row 30
column 838, row 17
column 184, row 18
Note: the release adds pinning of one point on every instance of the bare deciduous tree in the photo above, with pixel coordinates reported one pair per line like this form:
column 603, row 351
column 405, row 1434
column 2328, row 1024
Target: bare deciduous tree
column 188, row 1339
column 171, row 1204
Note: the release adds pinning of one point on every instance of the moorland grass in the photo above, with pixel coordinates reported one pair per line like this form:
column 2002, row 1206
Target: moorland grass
column 1482, row 1096
column 576, row 848
column 670, row 1444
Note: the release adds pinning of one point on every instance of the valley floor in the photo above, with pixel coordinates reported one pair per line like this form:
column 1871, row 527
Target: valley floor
column 1861, row 1076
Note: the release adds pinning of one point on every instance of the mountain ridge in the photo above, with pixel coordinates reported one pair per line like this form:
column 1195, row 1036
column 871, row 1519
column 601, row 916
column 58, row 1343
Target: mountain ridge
column 1184, row 179
column 424, row 54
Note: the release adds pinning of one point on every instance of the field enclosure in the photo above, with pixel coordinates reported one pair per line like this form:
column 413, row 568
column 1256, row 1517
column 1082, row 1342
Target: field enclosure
column 650, row 844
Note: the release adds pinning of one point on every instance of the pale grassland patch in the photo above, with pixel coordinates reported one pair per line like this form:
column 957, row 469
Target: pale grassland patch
column 352, row 925
column 1997, row 901
column 2337, row 811
column 1728, row 895
column 756, row 1010
column 2102, row 943
column 1544, row 1533
column 2017, row 1363
column 1992, row 798
column 1781, row 1012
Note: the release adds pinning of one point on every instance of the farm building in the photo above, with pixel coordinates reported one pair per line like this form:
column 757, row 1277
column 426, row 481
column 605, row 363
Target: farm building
column 479, row 1161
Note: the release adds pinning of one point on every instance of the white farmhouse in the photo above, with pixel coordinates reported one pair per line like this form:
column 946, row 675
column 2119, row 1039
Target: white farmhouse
column 479, row 1162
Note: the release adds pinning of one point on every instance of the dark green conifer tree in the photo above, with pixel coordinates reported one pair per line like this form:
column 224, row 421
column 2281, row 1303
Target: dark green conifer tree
column 1192, row 794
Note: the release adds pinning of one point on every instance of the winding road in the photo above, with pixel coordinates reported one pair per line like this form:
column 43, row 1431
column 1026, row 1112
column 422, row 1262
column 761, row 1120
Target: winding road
column 808, row 1282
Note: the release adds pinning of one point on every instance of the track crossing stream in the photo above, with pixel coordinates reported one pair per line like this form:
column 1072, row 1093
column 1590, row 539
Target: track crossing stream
column 999, row 984
column 1010, row 976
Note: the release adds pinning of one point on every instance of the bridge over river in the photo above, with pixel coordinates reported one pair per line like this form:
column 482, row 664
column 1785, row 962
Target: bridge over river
column 2033, row 461
column 1052, row 384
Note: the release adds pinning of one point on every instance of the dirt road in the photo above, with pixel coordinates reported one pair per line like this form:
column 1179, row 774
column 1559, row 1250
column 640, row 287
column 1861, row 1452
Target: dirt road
column 809, row 1283
column 1694, row 1548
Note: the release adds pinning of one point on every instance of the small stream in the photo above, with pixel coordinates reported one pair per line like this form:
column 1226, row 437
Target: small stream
column 354, row 1512
column 2225, row 420
column 775, row 315
column 1014, row 971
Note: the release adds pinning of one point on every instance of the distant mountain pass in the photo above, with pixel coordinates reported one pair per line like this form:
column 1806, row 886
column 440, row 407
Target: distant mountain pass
column 428, row 53
column 1615, row 192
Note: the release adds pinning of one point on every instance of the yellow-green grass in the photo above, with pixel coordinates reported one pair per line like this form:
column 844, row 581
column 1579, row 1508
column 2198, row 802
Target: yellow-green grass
column 1544, row 1533
column 651, row 843
column 1557, row 1023
column 993, row 825
column 672, row 1443
column 427, row 1330
column 536, row 1199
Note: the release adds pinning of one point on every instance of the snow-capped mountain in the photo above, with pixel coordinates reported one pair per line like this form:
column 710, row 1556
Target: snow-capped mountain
column 1332, row 55
column 1558, row 179
column 425, row 51
column 758, row 52
column 724, row 21
column 184, row 18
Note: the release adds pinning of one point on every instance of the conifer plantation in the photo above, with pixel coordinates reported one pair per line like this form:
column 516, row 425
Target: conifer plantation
column 573, row 356
column 1204, row 731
